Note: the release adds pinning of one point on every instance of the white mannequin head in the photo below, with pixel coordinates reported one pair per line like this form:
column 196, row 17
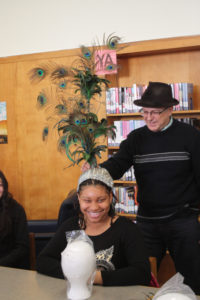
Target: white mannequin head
column 173, row 296
column 78, row 263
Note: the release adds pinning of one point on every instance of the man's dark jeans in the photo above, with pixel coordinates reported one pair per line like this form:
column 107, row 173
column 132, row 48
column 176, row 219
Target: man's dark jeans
column 181, row 237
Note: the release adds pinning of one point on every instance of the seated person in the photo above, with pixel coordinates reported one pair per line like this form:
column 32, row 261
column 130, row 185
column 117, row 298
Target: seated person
column 120, row 252
column 67, row 208
column 14, row 239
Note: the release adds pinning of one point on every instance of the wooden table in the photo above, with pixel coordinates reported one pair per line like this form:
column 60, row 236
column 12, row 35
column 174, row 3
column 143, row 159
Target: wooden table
column 16, row 284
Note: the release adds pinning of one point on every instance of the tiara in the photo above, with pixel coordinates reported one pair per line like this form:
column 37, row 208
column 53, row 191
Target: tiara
column 100, row 174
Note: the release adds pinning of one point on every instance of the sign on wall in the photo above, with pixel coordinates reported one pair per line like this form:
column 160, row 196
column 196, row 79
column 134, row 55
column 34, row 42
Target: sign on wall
column 3, row 124
column 105, row 62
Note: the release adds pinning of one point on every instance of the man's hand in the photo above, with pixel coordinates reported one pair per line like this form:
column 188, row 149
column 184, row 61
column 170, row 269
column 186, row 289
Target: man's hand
column 85, row 167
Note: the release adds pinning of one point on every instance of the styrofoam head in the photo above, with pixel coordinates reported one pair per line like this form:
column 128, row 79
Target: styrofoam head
column 173, row 296
column 78, row 262
column 78, row 259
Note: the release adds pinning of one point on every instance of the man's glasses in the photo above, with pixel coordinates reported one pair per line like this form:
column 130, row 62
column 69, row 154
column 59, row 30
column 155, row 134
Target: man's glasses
column 153, row 113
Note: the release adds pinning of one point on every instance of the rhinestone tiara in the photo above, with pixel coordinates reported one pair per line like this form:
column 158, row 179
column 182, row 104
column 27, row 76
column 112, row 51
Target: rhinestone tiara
column 100, row 174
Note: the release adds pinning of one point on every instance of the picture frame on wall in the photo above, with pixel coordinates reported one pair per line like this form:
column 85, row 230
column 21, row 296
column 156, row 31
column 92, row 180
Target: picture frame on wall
column 3, row 123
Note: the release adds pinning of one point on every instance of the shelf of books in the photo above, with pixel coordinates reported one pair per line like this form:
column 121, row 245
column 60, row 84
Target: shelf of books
column 126, row 200
column 120, row 100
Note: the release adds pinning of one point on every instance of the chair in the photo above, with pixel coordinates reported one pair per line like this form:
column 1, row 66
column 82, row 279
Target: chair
column 67, row 208
column 153, row 264
column 43, row 231
column 32, row 253
column 166, row 269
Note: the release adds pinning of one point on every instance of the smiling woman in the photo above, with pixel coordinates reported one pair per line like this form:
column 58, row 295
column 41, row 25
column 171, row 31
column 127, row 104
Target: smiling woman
column 96, row 201
column 121, row 257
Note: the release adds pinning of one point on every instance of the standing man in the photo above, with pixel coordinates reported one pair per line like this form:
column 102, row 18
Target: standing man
column 166, row 158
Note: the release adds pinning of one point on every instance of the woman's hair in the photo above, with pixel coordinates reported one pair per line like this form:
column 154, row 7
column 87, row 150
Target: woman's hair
column 5, row 220
column 94, row 182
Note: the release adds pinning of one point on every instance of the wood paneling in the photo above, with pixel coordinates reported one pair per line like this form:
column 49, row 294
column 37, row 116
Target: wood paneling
column 35, row 170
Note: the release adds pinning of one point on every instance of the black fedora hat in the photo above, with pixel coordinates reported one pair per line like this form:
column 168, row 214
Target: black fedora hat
column 157, row 94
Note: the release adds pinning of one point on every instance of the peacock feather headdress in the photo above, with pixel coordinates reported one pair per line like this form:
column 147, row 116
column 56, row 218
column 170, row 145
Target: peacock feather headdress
column 74, row 115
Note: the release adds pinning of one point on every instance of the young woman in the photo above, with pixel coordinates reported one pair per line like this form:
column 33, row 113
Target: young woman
column 14, row 241
column 120, row 253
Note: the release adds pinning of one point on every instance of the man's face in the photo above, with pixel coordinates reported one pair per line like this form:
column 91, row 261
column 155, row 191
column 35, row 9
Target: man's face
column 156, row 118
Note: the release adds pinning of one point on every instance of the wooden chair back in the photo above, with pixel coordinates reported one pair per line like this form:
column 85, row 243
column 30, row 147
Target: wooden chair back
column 32, row 251
column 153, row 263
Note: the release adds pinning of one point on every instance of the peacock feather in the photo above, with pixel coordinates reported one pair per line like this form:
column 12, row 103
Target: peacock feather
column 112, row 41
column 62, row 84
column 45, row 133
column 74, row 93
column 59, row 73
column 88, row 84
column 61, row 109
column 86, row 53
column 42, row 100
column 37, row 74
column 81, row 104
column 82, row 130
column 111, row 67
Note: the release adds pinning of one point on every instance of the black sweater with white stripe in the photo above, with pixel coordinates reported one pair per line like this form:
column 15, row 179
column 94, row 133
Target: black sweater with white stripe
column 167, row 168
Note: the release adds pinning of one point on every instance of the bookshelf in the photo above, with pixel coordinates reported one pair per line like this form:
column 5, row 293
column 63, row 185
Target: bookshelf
column 129, row 216
column 168, row 60
column 195, row 113
column 124, row 182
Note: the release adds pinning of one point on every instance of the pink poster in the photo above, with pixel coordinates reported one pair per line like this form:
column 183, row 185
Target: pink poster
column 105, row 62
